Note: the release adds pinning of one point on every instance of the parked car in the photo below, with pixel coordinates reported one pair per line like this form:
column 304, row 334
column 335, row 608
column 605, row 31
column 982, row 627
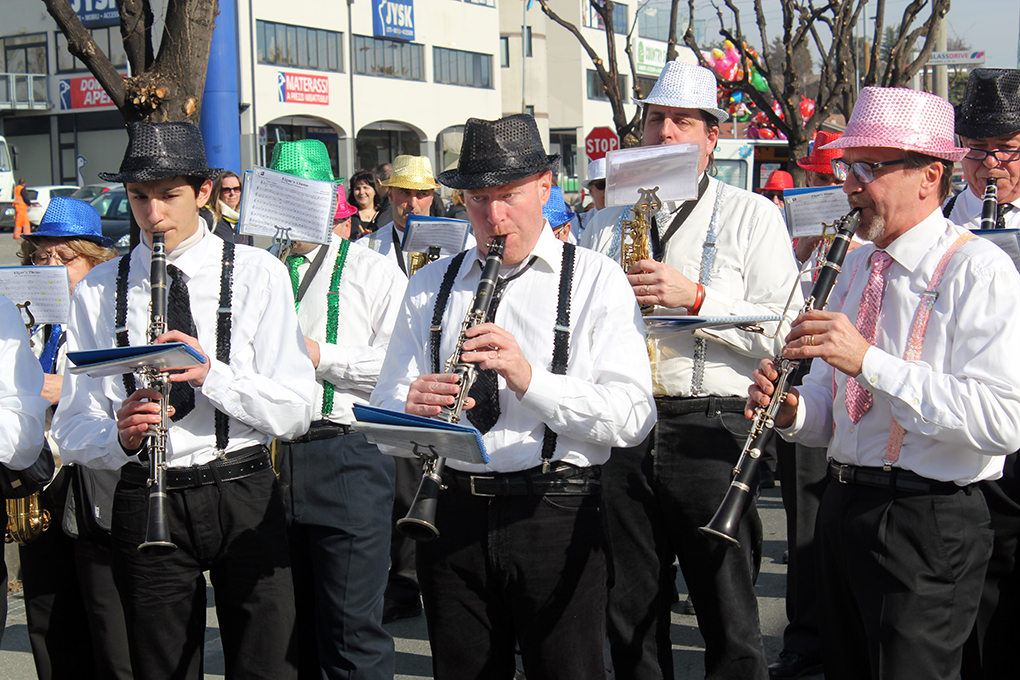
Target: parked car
column 115, row 217
column 43, row 194
column 90, row 191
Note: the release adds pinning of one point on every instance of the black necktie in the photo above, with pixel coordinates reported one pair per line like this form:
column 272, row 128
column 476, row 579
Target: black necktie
column 485, row 391
column 178, row 312
column 1000, row 214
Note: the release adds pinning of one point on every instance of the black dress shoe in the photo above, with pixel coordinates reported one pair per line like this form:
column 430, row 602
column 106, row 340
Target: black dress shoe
column 794, row 665
column 393, row 610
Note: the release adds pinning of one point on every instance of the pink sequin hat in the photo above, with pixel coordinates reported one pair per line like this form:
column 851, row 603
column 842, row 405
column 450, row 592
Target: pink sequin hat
column 898, row 118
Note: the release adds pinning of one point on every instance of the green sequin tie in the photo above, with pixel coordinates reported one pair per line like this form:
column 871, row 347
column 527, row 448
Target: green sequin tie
column 293, row 263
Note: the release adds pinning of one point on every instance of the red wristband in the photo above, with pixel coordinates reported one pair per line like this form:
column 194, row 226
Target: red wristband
column 699, row 297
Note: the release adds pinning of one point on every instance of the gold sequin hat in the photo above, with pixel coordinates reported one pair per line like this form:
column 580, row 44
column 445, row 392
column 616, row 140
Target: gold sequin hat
column 412, row 172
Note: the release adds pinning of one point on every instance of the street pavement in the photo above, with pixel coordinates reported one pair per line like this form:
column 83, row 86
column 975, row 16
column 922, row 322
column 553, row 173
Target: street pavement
column 410, row 635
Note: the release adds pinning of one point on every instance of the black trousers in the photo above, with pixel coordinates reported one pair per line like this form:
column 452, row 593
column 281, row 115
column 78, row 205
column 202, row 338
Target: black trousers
column 75, row 619
column 339, row 500
column 656, row 499
column 990, row 652
column 402, row 586
column 525, row 570
column 900, row 580
column 236, row 530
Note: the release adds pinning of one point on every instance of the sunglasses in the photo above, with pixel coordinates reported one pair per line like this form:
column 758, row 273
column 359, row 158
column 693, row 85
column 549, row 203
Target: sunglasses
column 599, row 184
column 230, row 190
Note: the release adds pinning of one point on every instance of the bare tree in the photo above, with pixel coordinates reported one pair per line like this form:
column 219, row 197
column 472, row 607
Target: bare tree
column 826, row 27
column 608, row 70
column 167, row 86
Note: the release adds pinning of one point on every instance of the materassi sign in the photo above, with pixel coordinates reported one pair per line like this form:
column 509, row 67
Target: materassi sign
column 393, row 19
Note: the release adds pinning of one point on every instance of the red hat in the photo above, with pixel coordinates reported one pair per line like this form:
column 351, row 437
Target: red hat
column 777, row 181
column 343, row 208
column 820, row 160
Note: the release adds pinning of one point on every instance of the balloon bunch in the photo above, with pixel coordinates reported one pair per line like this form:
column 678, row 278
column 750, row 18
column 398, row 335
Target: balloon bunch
column 729, row 65
column 762, row 128
column 736, row 103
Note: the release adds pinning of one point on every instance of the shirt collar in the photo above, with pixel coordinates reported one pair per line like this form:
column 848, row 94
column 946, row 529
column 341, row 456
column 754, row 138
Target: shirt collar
column 911, row 246
column 548, row 249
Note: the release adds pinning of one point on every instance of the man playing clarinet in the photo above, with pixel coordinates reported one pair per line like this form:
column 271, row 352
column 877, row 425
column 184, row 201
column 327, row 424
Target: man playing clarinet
column 233, row 305
column 913, row 394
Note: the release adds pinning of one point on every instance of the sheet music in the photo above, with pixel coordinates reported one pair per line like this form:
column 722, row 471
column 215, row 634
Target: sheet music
column 693, row 323
column 272, row 201
column 42, row 294
column 1007, row 239
column 425, row 231
column 807, row 208
column 673, row 168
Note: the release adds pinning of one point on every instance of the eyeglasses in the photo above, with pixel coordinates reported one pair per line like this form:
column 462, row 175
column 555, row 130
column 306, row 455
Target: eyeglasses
column 863, row 171
column 42, row 257
column 230, row 190
column 599, row 184
column 1001, row 155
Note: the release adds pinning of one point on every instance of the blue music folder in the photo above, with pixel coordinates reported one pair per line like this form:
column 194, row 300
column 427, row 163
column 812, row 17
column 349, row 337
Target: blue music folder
column 99, row 363
column 405, row 435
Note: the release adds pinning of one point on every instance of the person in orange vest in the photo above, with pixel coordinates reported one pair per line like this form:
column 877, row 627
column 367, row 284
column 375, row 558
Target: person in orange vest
column 22, row 227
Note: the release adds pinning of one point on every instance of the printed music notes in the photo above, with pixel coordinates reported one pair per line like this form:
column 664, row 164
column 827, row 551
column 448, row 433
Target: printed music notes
column 424, row 231
column 42, row 294
column 272, row 201
column 673, row 169
column 809, row 208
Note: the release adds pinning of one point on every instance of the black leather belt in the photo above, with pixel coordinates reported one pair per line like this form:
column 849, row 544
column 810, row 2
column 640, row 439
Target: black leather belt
column 708, row 405
column 562, row 480
column 319, row 430
column 896, row 479
column 237, row 465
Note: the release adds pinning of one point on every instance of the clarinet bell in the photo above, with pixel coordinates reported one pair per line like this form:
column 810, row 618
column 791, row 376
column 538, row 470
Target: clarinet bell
column 420, row 522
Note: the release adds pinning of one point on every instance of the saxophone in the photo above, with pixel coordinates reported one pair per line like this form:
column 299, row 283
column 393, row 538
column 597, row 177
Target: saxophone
column 416, row 261
column 635, row 244
column 26, row 519
column 420, row 522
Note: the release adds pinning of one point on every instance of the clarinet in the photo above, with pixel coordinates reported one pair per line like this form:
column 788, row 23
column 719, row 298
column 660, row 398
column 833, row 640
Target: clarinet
column 420, row 522
column 723, row 525
column 157, row 533
column 990, row 205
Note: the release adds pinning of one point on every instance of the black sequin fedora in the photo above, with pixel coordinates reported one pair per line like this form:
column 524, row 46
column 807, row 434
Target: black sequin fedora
column 497, row 152
column 161, row 150
column 991, row 104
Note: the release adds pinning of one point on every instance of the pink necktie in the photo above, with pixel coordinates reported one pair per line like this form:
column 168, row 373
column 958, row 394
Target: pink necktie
column 858, row 399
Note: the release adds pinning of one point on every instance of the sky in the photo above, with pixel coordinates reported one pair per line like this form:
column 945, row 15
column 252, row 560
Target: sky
column 992, row 26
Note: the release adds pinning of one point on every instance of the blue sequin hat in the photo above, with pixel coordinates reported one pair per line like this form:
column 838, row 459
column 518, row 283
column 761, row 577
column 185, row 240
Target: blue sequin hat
column 71, row 218
column 555, row 209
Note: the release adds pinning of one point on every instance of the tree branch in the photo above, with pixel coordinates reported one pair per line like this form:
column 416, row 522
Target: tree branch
column 136, row 32
column 81, row 45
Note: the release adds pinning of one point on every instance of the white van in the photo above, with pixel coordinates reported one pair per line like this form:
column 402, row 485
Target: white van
column 747, row 163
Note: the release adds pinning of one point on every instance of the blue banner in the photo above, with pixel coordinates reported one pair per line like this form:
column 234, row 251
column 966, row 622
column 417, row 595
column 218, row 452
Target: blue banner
column 95, row 13
column 393, row 19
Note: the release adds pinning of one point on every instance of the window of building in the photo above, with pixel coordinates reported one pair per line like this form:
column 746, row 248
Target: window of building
column 527, row 42
column 530, row 110
column 646, row 83
column 388, row 58
column 456, row 67
column 300, row 46
column 107, row 38
column 592, row 19
column 23, row 53
column 504, row 52
column 596, row 89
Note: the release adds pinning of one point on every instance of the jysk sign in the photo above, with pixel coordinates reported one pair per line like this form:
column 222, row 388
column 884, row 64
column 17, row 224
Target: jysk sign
column 301, row 89
column 393, row 19
column 94, row 13
column 82, row 93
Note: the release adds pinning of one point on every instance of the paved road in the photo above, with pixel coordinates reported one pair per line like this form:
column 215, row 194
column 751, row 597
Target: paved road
column 413, row 656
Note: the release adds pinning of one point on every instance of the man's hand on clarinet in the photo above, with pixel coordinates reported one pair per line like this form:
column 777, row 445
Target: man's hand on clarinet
column 194, row 374
column 761, row 390
column 829, row 336
column 430, row 393
column 135, row 415
column 490, row 346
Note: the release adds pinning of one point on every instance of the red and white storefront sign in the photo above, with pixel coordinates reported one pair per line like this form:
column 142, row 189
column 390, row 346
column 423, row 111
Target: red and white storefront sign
column 82, row 93
column 299, row 88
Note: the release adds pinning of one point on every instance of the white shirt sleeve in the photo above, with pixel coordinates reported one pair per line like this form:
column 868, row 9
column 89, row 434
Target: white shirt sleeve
column 22, row 409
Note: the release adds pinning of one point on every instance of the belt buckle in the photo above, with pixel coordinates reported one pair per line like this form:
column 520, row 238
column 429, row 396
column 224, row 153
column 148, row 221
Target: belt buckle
column 839, row 475
column 478, row 493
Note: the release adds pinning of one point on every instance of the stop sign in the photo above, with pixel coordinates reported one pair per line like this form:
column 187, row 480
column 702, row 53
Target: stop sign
column 600, row 141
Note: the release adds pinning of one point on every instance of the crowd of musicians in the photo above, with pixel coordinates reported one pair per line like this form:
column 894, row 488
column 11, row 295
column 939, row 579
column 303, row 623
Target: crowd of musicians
column 609, row 447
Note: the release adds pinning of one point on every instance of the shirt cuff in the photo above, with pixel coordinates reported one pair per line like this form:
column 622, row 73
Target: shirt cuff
column 217, row 387
column 544, row 394
column 332, row 363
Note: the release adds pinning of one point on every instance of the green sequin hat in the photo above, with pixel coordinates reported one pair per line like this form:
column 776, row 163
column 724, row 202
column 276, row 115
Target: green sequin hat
column 306, row 158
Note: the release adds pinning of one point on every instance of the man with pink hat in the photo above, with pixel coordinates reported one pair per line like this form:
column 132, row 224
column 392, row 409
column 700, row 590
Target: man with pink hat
column 724, row 253
column 914, row 396
column 338, row 488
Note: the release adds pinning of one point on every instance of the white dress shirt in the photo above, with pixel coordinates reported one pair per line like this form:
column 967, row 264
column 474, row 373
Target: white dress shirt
column 960, row 403
column 753, row 274
column 370, row 293
column 967, row 211
column 604, row 400
column 22, row 409
column 266, row 388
